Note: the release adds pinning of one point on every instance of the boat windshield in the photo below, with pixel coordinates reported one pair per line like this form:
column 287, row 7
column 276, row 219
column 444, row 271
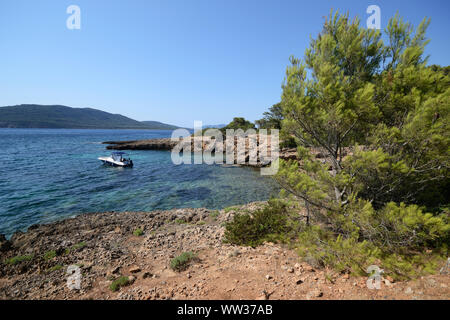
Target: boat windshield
column 117, row 156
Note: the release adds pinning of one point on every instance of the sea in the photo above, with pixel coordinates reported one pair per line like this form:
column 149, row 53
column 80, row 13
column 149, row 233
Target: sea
column 51, row 174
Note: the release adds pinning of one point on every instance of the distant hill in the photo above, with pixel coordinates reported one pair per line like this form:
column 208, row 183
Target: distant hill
column 57, row 116
column 159, row 125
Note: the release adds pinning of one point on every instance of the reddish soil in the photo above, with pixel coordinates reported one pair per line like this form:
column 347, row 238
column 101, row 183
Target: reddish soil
column 109, row 249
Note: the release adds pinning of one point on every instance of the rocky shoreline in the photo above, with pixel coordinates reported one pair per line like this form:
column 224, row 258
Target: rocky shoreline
column 106, row 247
column 205, row 144
column 148, row 144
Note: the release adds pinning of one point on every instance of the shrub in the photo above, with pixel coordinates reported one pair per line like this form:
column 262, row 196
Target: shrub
column 215, row 214
column 288, row 142
column 118, row 283
column 322, row 248
column 229, row 209
column 270, row 223
column 55, row 268
column 181, row 262
column 79, row 245
column 138, row 232
column 50, row 255
column 403, row 240
column 401, row 226
column 18, row 259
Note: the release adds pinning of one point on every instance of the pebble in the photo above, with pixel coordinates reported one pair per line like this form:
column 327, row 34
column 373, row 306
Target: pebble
column 135, row 269
column 131, row 279
column 316, row 293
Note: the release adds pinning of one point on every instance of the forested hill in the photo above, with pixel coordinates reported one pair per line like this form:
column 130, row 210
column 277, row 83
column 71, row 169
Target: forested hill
column 159, row 125
column 57, row 116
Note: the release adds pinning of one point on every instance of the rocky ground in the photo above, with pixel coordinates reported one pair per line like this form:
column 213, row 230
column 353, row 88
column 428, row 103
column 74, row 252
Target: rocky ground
column 104, row 247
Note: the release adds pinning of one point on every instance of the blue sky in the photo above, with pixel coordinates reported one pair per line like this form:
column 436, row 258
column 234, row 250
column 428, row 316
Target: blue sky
column 174, row 61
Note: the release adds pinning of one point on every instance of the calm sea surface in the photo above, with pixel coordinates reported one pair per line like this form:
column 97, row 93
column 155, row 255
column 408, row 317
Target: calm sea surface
column 50, row 174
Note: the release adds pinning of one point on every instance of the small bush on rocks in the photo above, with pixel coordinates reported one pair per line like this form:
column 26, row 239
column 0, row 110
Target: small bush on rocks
column 181, row 262
column 50, row 255
column 55, row 268
column 138, row 232
column 214, row 214
column 118, row 283
column 272, row 223
column 228, row 209
column 17, row 259
column 79, row 245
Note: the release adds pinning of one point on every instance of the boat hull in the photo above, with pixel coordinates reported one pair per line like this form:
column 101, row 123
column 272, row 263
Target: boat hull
column 111, row 162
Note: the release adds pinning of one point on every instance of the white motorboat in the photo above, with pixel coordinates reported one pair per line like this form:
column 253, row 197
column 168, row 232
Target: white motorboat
column 117, row 159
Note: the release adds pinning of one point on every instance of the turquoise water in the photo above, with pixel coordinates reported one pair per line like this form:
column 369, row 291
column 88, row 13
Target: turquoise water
column 50, row 174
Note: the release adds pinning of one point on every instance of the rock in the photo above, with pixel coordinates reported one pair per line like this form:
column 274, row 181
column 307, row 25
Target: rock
column 431, row 282
column 265, row 295
column 112, row 271
column 131, row 279
column 189, row 217
column 308, row 268
column 5, row 245
column 60, row 251
column 290, row 270
column 300, row 280
column 235, row 253
column 390, row 279
column 408, row 290
column 297, row 266
column 316, row 293
column 446, row 268
column 268, row 277
column 134, row 269
column 147, row 275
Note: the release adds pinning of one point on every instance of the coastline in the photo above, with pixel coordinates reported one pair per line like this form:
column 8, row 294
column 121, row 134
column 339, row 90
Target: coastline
column 53, row 174
column 208, row 144
column 104, row 247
